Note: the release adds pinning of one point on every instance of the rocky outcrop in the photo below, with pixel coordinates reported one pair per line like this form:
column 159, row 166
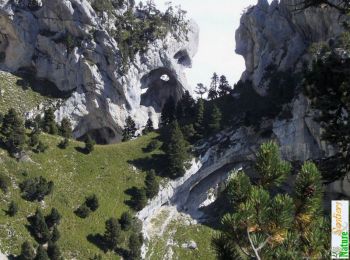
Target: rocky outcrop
column 68, row 44
column 277, row 35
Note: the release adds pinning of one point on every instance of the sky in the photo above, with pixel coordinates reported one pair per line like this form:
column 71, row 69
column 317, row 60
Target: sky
column 218, row 21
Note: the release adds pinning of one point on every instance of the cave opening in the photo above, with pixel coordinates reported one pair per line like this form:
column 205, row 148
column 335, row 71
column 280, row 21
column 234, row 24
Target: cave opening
column 157, row 86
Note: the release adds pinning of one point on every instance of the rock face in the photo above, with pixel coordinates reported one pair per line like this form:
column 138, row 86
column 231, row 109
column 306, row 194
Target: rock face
column 277, row 35
column 35, row 41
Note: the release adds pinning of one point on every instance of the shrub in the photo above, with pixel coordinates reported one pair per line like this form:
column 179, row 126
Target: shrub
column 152, row 146
column 4, row 183
column 36, row 188
column 53, row 219
column 126, row 221
column 92, row 202
column 89, row 144
column 83, row 211
column 64, row 143
column 13, row 209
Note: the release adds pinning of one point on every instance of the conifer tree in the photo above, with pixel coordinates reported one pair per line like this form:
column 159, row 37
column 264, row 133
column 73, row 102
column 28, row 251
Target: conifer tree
column 224, row 86
column 54, row 251
column 129, row 129
column 213, row 90
column 12, row 209
column 176, row 151
column 151, row 184
column 199, row 120
column 92, row 202
column 169, row 111
column 41, row 253
column 214, row 120
column 34, row 138
column 135, row 244
column 112, row 235
column 149, row 127
column 139, row 199
column 53, row 218
column 40, row 229
column 265, row 224
column 66, row 128
column 185, row 110
column 55, row 234
column 125, row 221
column 27, row 251
column 13, row 132
column 201, row 90
column 89, row 144
column 49, row 123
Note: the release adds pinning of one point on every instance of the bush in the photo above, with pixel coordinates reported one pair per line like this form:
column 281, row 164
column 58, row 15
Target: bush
column 83, row 211
column 53, row 219
column 41, row 148
column 152, row 185
column 4, row 183
column 92, row 202
column 125, row 221
column 64, row 143
column 89, row 144
column 36, row 188
column 152, row 146
column 13, row 209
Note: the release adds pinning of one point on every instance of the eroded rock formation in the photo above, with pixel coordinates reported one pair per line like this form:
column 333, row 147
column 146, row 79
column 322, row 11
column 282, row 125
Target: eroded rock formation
column 68, row 44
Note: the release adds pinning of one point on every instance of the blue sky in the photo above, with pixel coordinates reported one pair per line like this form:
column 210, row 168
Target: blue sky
column 218, row 21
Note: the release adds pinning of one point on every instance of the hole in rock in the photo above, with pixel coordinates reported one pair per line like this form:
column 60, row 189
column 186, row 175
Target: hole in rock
column 183, row 58
column 102, row 135
column 157, row 86
column 43, row 86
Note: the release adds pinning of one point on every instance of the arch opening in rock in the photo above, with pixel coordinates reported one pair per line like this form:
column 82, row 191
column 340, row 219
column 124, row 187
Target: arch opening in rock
column 102, row 135
column 157, row 86
column 183, row 58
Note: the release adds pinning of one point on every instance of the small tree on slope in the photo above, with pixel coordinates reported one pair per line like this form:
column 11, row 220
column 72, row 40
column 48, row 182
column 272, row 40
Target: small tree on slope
column 268, row 226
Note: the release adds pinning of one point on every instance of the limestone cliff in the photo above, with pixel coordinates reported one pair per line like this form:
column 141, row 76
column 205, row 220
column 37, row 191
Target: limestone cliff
column 276, row 34
column 65, row 42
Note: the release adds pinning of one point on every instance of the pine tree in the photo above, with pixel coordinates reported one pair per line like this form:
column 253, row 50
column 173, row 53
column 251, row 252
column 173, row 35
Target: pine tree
column 89, row 144
column 34, row 138
column 265, row 224
column 186, row 108
column 126, row 221
column 199, row 119
column 41, row 253
column 66, row 128
column 151, row 184
column 149, row 127
column 64, row 143
column 92, row 202
column 12, row 209
column 201, row 90
column 271, row 168
column 53, row 218
column 54, row 251
column 168, row 111
column 13, row 132
column 214, row 120
column 139, row 199
column 224, row 86
column 129, row 129
column 49, row 123
column 40, row 229
column 213, row 90
column 27, row 251
column 55, row 234
column 176, row 151
column 112, row 235
column 135, row 244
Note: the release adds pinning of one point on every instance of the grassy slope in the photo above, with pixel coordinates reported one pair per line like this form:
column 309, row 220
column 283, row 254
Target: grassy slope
column 105, row 172
column 14, row 95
